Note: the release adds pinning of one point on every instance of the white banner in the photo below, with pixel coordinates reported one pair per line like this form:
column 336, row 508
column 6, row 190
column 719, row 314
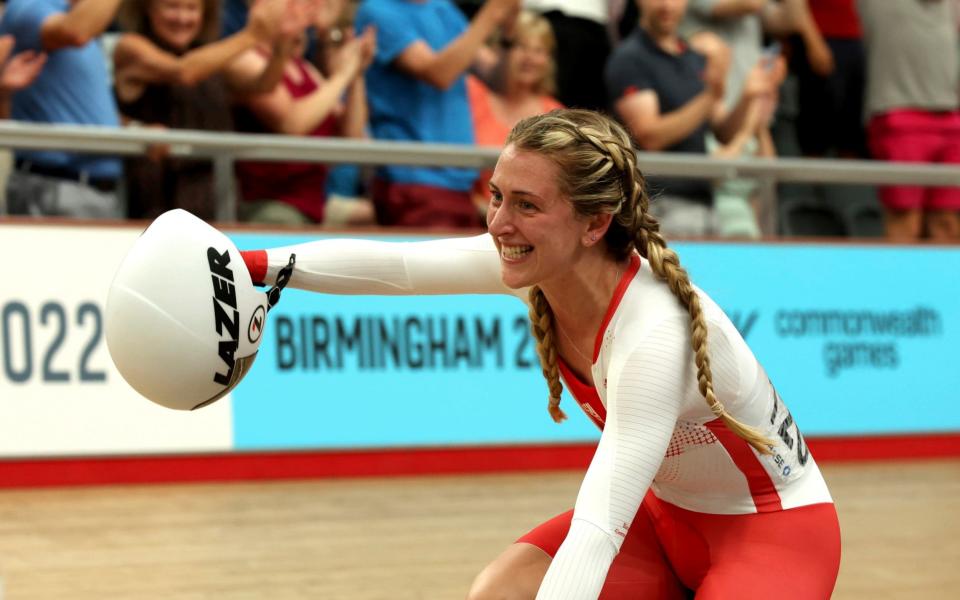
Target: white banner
column 59, row 391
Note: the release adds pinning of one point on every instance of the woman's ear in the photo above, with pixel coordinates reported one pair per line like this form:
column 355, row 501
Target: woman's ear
column 597, row 227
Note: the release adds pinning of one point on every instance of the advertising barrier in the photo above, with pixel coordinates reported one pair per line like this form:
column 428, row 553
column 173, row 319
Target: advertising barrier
column 59, row 392
column 859, row 341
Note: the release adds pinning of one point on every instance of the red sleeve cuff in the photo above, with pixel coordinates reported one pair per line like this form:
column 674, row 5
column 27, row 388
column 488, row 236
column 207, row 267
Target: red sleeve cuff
column 256, row 261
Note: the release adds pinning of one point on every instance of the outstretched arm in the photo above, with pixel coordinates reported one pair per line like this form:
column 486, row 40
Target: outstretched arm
column 76, row 27
column 468, row 265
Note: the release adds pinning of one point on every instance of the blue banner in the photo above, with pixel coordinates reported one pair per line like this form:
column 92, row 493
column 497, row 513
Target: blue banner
column 858, row 340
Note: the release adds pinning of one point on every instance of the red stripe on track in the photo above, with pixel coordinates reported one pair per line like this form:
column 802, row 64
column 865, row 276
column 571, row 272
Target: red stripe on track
column 291, row 465
column 240, row 466
column 885, row 447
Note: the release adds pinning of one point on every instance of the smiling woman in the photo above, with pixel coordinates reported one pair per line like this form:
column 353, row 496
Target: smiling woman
column 701, row 480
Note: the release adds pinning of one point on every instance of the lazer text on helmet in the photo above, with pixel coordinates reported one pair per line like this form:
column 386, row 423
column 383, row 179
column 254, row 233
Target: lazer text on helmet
column 226, row 316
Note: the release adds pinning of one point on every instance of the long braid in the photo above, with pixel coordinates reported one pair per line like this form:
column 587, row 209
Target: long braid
column 541, row 323
column 666, row 265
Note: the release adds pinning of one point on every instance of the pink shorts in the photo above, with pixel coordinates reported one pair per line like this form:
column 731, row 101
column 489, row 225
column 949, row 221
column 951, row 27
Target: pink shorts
column 792, row 554
column 917, row 136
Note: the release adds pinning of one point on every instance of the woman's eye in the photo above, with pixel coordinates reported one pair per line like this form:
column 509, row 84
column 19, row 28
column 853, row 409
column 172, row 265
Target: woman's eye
column 524, row 205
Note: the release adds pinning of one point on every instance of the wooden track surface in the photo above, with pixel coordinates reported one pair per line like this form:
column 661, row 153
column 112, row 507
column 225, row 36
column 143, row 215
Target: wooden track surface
column 405, row 538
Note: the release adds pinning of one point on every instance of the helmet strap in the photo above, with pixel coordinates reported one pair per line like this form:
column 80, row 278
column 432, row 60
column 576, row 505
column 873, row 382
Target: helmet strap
column 283, row 278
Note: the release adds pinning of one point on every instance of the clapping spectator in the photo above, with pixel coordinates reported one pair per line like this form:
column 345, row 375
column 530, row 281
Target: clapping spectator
column 913, row 108
column 417, row 92
column 526, row 83
column 309, row 104
column 739, row 25
column 670, row 96
column 72, row 88
column 168, row 72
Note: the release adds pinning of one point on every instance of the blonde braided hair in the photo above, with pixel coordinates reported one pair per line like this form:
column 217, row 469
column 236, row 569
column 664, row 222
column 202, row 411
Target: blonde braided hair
column 599, row 174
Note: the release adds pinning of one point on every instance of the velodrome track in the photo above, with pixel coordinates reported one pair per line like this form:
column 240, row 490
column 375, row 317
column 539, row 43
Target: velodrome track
column 406, row 538
column 401, row 536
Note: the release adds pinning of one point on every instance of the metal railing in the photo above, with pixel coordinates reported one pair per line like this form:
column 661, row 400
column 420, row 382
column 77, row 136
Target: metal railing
column 226, row 148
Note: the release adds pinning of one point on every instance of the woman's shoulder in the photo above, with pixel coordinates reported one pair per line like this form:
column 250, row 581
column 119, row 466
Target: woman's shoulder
column 549, row 103
column 478, row 94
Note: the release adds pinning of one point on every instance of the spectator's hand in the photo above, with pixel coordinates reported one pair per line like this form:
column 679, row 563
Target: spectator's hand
column 778, row 70
column 368, row 47
column 718, row 61
column 348, row 58
column 155, row 153
column 266, row 17
column 761, row 81
column 7, row 43
column 820, row 57
column 299, row 15
column 22, row 70
column 761, row 113
column 504, row 12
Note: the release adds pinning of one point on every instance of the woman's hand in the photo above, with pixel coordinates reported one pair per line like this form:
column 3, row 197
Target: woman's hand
column 718, row 56
column 819, row 56
column 298, row 15
column 368, row 47
column 348, row 58
column 21, row 70
column 266, row 17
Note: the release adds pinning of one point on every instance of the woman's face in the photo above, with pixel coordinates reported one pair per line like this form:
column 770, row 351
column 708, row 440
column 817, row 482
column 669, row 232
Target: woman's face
column 532, row 223
column 176, row 22
column 528, row 61
column 662, row 17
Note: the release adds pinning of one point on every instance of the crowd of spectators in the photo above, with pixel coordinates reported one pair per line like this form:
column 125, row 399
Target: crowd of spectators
column 844, row 78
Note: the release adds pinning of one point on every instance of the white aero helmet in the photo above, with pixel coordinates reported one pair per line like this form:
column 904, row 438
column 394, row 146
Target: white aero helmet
column 183, row 319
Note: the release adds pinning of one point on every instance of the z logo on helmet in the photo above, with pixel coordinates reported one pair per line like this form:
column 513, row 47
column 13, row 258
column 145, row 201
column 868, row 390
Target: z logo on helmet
column 255, row 328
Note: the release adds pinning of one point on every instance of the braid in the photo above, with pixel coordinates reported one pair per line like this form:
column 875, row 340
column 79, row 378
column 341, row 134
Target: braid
column 541, row 323
column 666, row 265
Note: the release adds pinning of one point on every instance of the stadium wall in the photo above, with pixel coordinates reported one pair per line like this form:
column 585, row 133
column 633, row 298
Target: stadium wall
column 860, row 341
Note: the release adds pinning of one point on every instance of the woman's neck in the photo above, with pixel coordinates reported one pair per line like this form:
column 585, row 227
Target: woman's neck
column 580, row 298
column 515, row 92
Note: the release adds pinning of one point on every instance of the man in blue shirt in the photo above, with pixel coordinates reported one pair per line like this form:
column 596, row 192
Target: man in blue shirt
column 417, row 92
column 73, row 88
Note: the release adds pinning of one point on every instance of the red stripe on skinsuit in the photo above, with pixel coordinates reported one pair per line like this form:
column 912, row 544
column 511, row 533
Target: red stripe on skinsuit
column 765, row 496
